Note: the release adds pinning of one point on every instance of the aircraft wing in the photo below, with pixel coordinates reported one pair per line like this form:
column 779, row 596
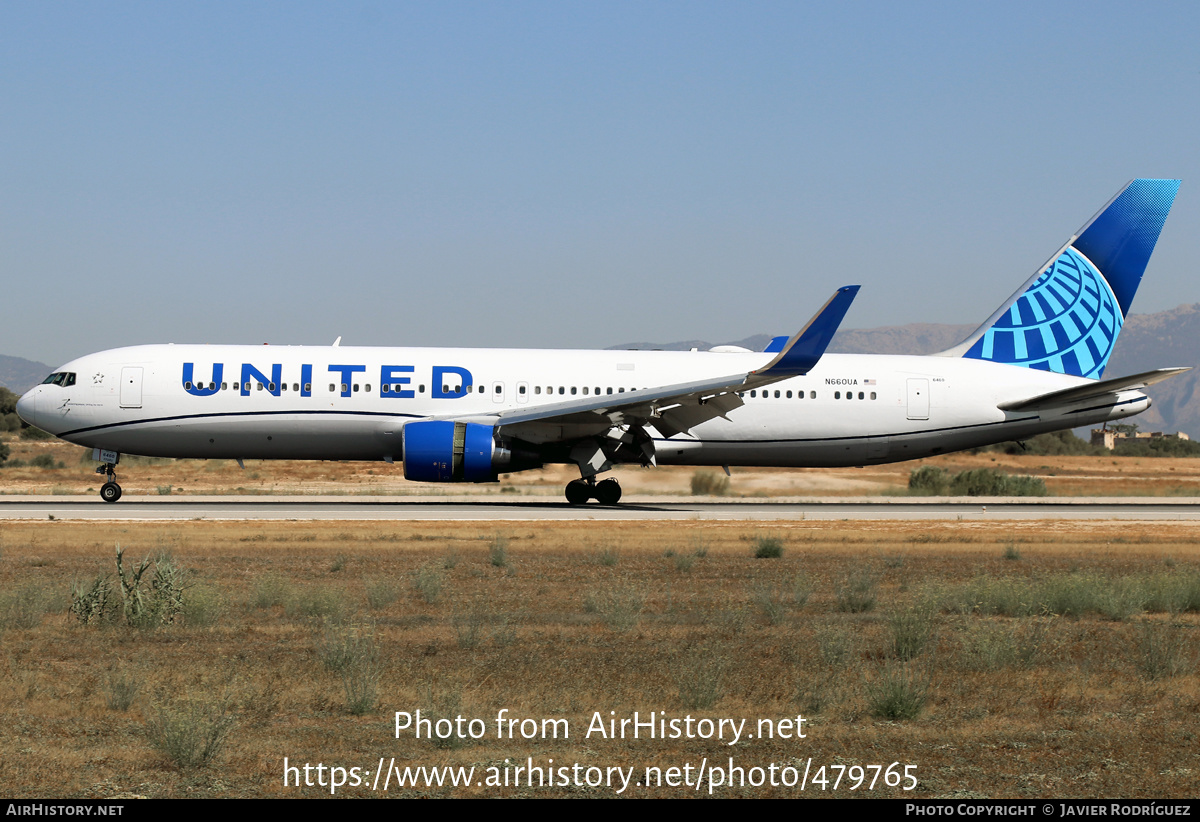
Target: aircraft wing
column 1092, row 390
column 673, row 409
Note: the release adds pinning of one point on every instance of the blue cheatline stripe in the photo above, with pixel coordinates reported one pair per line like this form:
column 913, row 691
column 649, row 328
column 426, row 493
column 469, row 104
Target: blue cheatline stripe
column 149, row 420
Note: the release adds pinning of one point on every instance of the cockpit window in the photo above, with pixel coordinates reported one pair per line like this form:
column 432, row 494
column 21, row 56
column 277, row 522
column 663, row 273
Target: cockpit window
column 63, row 378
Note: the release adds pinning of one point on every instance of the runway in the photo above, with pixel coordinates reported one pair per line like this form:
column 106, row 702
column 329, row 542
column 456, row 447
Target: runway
column 480, row 508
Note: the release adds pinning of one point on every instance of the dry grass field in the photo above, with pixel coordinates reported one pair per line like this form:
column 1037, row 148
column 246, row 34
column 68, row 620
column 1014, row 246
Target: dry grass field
column 1001, row 660
column 1064, row 476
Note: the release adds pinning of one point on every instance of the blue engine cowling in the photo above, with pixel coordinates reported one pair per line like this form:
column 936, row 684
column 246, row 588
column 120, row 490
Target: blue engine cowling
column 447, row 451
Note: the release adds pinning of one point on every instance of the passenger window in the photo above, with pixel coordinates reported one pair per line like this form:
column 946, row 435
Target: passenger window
column 481, row 389
column 754, row 393
column 499, row 389
column 421, row 388
column 386, row 388
column 585, row 390
column 355, row 388
column 367, row 388
column 789, row 395
column 872, row 395
column 345, row 388
column 537, row 389
column 860, row 395
column 520, row 389
column 224, row 386
column 445, row 388
column 837, row 395
column 574, row 390
column 812, row 395
column 608, row 390
column 187, row 386
column 308, row 387
column 562, row 389
column 282, row 386
column 777, row 394
column 332, row 388
column 295, row 386
column 260, row 386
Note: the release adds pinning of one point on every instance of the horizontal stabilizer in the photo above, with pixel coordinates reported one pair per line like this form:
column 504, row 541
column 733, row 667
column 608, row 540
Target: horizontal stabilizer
column 804, row 350
column 1096, row 389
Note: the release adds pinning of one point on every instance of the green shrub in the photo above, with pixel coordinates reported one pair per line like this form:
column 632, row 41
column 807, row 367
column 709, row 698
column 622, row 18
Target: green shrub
column 899, row 691
column 498, row 551
column 929, row 481
column 120, row 691
column 620, row 607
column 381, row 593
column 23, row 607
column 190, row 733
column 979, row 482
column 429, row 582
column 857, row 593
column 271, row 591
column 700, row 677
column 203, row 606
column 768, row 548
column 316, row 602
column 350, row 652
column 709, row 484
column 1164, row 651
column 911, row 630
column 770, row 604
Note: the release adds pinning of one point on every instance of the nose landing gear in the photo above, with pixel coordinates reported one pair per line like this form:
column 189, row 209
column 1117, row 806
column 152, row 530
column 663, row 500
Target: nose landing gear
column 109, row 491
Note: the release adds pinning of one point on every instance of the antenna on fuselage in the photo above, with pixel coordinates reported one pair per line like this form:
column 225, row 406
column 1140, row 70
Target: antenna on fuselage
column 337, row 342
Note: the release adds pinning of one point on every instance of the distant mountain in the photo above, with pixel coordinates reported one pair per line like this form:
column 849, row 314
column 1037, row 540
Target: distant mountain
column 20, row 375
column 1148, row 341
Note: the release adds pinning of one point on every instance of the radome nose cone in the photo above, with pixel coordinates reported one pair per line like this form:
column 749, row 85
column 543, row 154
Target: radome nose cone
column 25, row 406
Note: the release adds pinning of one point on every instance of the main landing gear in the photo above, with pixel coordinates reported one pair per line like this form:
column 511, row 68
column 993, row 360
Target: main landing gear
column 109, row 491
column 606, row 492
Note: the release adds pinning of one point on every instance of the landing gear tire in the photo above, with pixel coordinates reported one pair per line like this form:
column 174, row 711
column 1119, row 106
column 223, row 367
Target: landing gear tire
column 110, row 492
column 578, row 492
column 608, row 492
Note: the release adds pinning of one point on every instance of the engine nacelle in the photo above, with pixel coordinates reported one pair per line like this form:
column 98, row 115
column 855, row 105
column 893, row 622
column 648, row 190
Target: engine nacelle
column 447, row 451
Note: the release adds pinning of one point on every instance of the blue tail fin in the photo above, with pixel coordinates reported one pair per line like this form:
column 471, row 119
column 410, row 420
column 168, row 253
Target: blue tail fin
column 1066, row 317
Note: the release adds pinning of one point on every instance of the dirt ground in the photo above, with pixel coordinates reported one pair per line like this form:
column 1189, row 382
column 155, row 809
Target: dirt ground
column 991, row 660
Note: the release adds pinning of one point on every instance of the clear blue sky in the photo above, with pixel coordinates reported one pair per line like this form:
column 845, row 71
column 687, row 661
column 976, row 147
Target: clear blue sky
column 567, row 174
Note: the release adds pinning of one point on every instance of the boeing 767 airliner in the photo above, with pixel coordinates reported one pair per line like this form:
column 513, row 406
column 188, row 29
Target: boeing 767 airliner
column 467, row 415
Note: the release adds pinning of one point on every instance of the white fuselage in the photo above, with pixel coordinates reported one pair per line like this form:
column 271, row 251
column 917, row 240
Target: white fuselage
column 349, row 403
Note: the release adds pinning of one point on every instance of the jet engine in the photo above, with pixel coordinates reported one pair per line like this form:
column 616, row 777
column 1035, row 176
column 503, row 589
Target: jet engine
column 448, row 451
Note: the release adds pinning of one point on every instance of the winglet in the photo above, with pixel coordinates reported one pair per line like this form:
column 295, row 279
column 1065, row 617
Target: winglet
column 804, row 350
